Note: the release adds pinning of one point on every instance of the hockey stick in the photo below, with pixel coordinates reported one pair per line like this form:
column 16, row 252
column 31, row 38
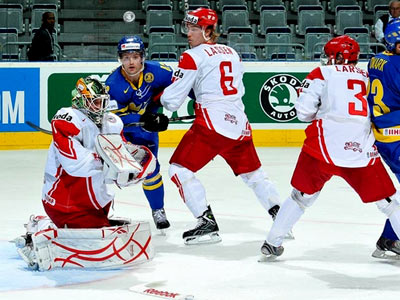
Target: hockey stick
column 175, row 119
column 127, row 125
column 38, row 128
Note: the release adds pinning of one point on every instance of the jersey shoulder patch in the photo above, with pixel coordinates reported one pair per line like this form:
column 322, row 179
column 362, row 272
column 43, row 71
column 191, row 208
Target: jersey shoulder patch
column 315, row 74
column 187, row 62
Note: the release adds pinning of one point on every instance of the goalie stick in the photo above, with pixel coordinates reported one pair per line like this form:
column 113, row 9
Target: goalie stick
column 175, row 119
column 38, row 128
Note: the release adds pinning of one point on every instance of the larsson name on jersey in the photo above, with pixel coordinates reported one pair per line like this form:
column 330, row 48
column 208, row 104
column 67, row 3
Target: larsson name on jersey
column 351, row 69
column 278, row 95
column 218, row 50
column 65, row 117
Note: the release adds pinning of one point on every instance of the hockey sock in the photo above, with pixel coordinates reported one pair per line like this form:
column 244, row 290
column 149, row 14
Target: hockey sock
column 153, row 188
column 289, row 213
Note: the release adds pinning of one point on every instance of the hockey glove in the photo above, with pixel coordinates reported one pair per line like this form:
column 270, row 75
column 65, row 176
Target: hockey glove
column 154, row 122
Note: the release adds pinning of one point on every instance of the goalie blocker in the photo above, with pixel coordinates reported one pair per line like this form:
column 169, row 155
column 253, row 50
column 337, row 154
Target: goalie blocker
column 112, row 247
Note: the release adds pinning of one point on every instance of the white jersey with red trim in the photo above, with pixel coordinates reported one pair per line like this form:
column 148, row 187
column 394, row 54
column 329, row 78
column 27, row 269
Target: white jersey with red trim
column 215, row 73
column 334, row 99
column 73, row 179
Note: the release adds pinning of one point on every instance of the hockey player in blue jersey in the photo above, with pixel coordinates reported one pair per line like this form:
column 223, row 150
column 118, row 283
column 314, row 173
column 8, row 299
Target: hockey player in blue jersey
column 384, row 104
column 133, row 88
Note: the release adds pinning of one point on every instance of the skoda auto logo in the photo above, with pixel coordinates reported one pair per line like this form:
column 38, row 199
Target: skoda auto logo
column 278, row 95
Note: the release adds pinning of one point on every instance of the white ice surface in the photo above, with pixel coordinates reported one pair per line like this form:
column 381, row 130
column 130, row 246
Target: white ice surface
column 329, row 259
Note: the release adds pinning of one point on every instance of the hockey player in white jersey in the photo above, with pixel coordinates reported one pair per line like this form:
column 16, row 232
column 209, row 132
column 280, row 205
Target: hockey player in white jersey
column 87, row 152
column 339, row 142
column 214, row 73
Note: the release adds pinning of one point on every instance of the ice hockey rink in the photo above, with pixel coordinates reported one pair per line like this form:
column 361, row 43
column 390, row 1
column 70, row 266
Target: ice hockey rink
column 330, row 257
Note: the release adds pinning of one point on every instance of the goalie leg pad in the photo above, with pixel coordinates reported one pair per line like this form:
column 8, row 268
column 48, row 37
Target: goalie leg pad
column 263, row 187
column 190, row 189
column 103, row 248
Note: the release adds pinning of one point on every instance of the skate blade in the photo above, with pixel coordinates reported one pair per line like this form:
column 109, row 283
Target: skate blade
column 267, row 258
column 161, row 232
column 211, row 238
column 289, row 236
column 381, row 254
column 20, row 242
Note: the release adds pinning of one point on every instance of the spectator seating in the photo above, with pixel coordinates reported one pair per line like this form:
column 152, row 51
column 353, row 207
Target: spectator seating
column 235, row 21
column 223, row 5
column 370, row 4
column 11, row 17
column 294, row 5
column 159, row 21
column 243, row 43
column 9, row 49
column 162, row 47
column 272, row 16
column 258, row 4
column 315, row 39
column 193, row 4
column 347, row 16
column 157, row 5
column 310, row 16
column 332, row 4
column 277, row 44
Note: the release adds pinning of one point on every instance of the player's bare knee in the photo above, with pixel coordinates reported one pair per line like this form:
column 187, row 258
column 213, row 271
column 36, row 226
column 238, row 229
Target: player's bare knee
column 302, row 199
column 389, row 205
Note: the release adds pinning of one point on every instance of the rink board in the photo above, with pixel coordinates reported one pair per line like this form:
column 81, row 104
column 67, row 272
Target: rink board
column 35, row 91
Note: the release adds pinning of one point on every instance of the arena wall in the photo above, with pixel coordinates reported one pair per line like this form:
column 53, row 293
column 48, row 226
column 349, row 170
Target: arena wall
column 35, row 91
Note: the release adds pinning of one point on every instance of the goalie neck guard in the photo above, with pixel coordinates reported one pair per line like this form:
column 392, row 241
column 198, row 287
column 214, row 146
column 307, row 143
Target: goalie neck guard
column 90, row 97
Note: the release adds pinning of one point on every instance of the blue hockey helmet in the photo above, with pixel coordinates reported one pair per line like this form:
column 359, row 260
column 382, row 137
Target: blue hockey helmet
column 392, row 34
column 131, row 44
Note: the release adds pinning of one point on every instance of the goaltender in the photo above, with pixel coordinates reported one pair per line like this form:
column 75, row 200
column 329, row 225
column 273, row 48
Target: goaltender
column 87, row 152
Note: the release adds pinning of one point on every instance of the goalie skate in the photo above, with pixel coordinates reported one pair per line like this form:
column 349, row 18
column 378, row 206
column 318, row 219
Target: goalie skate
column 387, row 249
column 205, row 232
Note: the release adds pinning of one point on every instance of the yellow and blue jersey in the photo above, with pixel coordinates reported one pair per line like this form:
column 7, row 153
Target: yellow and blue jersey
column 130, row 102
column 384, row 96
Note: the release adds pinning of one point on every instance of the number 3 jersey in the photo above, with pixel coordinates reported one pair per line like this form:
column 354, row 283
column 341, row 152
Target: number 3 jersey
column 384, row 96
column 214, row 72
column 333, row 98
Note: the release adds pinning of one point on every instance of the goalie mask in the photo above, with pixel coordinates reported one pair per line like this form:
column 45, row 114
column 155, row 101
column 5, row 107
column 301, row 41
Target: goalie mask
column 90, row 97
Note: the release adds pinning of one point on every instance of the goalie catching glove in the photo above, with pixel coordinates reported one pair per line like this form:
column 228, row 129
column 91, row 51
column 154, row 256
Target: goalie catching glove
column 124, row 163
column 154, row 122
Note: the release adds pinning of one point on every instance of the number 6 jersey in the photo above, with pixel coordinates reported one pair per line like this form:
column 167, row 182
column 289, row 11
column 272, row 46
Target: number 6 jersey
column 334, row 99
column 214, row 72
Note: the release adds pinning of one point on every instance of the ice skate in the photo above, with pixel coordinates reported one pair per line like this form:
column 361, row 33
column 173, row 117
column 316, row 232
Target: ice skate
column 270, row 252
column 205, row 232
column 387, row 249
column 273, row 211
column 160, row 220
column 25, row 250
